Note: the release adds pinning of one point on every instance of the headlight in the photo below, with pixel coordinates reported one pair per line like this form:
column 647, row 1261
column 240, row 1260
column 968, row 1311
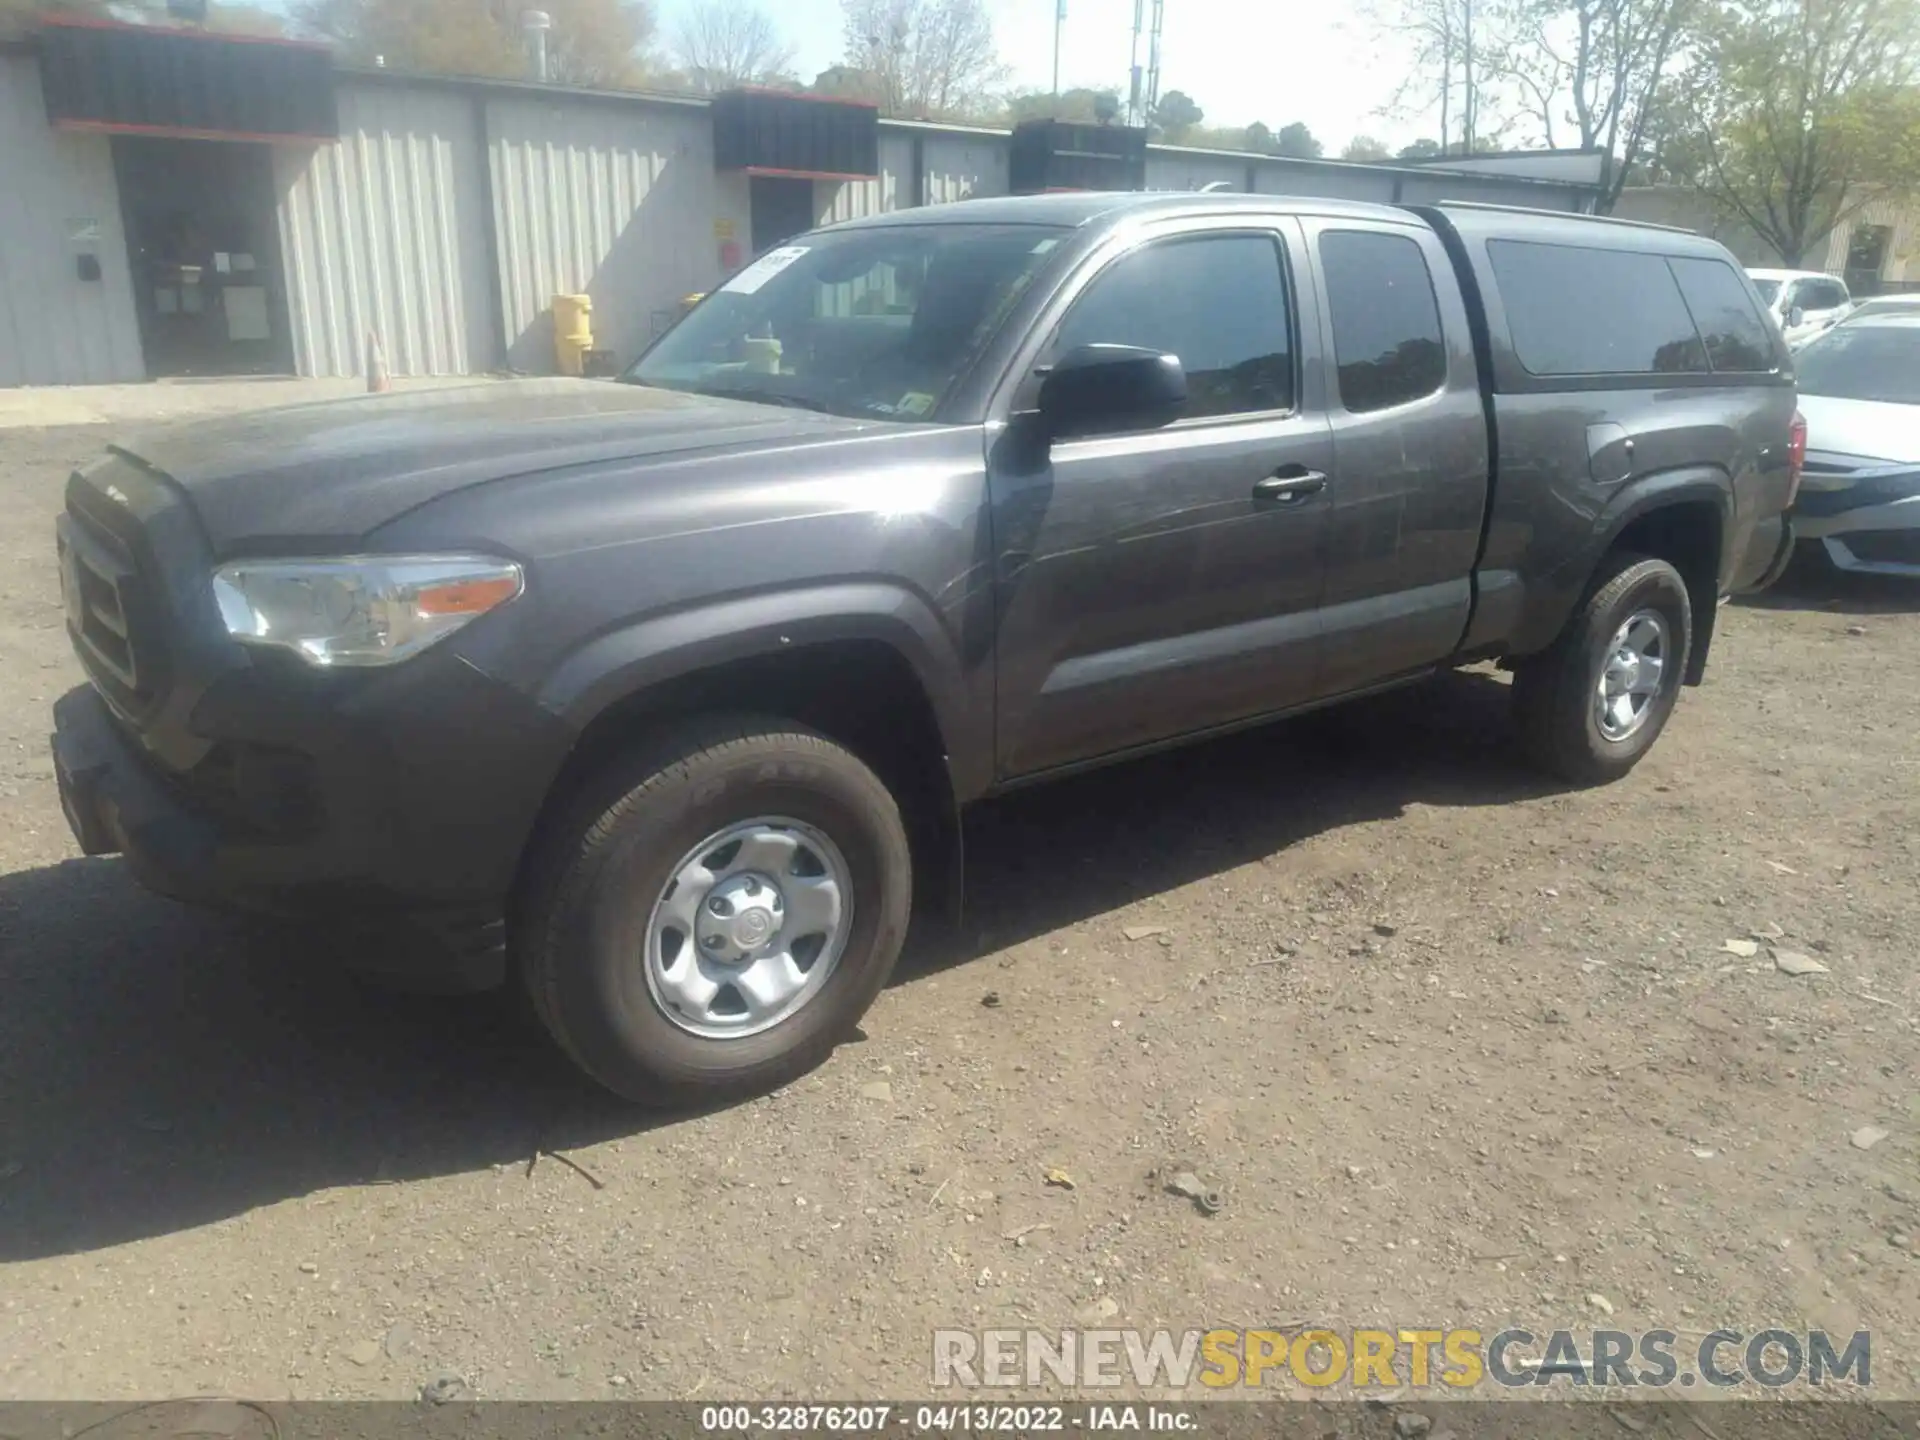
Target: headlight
column 360, row 609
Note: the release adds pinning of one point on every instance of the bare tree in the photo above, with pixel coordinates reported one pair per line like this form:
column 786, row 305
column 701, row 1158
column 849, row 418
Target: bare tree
column 1444, row 68
column 721, row 43
column 1593, row 72
column 926, row 58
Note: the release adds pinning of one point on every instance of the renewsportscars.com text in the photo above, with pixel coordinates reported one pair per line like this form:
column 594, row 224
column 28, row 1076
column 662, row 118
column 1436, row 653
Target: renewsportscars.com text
column 1362, row 1359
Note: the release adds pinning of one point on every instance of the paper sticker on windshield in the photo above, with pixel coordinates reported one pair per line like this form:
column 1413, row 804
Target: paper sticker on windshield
column 764, row 269
column 914, row 402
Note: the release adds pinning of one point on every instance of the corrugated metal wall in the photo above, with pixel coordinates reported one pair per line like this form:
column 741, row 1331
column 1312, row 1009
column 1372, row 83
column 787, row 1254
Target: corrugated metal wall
column 962, row 165
column 55, row 328
column 450, row 215
column 616, row 202
column 1190, row 170
column 384, row 232
column 892, row 189
column 1902, row 260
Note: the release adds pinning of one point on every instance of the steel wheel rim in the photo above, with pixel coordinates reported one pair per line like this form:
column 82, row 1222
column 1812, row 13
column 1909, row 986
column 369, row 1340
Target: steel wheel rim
column 1632, row 672
column 749, row 927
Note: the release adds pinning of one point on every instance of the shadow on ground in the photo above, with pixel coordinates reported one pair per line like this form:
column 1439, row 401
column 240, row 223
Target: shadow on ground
column 1812, row 584
column 162, row 1069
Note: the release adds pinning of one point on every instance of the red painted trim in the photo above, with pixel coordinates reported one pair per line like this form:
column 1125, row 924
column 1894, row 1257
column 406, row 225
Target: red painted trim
column 170, row 132
column 805, row 174
column 81, row 22
column 849, row 104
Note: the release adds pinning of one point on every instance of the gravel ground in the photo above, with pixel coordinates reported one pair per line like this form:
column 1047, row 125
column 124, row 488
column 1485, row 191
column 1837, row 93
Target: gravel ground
column 1457, row 1048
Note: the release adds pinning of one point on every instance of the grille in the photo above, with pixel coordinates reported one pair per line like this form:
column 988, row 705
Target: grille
column 94, row 572
column 112, row 624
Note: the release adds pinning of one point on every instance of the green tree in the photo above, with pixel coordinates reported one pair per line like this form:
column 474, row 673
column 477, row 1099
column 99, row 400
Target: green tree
column 1175, row 115
column 1297, row 140
column 848, row 82
column 1801, row 112
column 1365, row 147
column 1079, row 104
column 1421, row 149
column 22, row 17
column 1259, row 137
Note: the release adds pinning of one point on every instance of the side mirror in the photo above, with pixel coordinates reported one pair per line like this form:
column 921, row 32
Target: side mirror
column 1796, row 316
column 1111, row 387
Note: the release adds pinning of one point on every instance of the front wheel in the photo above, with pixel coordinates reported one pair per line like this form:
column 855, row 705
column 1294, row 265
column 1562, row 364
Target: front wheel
column 716, row 913
column 1593, row 704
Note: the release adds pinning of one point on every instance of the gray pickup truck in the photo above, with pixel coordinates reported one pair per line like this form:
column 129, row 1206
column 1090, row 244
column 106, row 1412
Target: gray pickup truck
column 666, row 696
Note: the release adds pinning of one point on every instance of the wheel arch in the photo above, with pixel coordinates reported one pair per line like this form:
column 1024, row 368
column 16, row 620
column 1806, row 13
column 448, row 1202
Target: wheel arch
column 1684, row 522
column 866, row 665
column 1680, row 516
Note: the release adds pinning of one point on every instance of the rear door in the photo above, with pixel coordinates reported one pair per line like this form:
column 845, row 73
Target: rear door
column 1155, row 583
column 1410, row 451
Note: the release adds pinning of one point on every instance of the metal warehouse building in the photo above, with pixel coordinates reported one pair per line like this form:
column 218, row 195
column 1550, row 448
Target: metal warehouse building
column 173, row 203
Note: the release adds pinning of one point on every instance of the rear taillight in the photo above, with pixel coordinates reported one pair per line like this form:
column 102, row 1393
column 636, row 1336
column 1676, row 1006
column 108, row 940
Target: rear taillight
column 1796, row 456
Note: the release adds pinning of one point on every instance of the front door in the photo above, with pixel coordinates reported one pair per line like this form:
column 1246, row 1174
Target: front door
column 781, row 208
column 204, row 250
column 1156, row 583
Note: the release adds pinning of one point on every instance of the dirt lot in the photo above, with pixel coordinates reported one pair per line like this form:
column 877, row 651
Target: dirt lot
column 1458, row 1049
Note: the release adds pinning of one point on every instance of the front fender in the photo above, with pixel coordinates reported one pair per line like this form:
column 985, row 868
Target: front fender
column 666, row 647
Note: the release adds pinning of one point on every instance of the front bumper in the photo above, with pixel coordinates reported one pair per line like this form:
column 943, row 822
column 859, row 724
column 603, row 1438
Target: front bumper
column 407, row 802
column 1868, row 523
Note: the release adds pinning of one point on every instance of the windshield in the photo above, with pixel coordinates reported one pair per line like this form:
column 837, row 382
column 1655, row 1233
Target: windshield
column 1769, row 290
column 871, row 322
column 1863, row 362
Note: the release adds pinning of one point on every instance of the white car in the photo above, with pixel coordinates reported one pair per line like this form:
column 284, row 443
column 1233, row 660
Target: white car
column 1802, row 302
column 1903, row 304
column 1860, row 489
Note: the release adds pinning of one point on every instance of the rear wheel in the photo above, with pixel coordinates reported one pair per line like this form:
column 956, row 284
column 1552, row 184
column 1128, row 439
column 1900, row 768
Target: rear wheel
column 1595, row 702
column 716, row 913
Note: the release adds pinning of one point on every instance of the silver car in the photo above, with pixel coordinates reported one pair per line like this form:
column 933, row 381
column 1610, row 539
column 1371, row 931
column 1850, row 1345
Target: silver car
column 1860, row 490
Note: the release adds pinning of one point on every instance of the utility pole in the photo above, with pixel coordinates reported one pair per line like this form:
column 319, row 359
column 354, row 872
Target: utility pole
column 1466, row 108
column 1135, row 107
column 1059, row 19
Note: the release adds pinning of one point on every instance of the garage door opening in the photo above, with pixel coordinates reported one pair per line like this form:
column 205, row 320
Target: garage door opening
column 204, row 250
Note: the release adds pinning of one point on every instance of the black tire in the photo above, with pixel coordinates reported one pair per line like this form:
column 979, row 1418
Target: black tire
column 598, row 872
column 1553, row 693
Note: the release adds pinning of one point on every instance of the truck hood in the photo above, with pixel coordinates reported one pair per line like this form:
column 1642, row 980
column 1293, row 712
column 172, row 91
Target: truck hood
column 311, row 477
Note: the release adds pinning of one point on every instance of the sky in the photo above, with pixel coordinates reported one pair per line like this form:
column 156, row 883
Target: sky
column 1316, row 62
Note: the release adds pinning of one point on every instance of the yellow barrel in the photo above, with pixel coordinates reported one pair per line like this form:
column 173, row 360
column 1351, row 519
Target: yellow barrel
column 572, row 331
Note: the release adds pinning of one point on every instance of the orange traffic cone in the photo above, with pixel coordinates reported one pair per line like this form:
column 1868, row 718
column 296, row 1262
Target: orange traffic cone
column 377, row 381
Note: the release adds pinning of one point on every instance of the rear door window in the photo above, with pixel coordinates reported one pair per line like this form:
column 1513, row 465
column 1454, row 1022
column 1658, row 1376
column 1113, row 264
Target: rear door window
column 1735, row 335
column 1386, row 321
column 1574, row 310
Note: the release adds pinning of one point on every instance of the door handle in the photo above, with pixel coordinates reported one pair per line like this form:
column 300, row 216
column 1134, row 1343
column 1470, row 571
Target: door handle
column 1290, row 483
